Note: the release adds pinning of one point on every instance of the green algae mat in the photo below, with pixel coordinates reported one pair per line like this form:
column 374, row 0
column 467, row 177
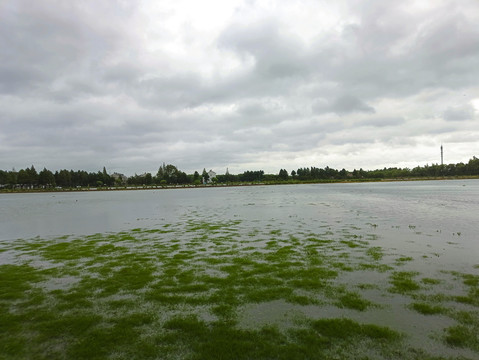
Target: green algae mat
column 228, row 290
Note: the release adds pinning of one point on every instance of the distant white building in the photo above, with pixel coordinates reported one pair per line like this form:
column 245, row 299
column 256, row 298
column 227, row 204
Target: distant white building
column 120, row 177
column 211, row 174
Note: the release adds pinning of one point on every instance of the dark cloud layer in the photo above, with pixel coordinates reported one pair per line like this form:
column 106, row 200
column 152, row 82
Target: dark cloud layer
column 129, row 85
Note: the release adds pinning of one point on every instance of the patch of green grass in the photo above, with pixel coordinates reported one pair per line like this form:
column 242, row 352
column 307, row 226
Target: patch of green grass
column 16, row 280
column 314, row 278
column 427, row 309
column 351, row 244
column 212, row 227
column 125, row 304
column 376, row 253
column 403, row 282
column 404, row 259
column 471, row 299
column 318, row 242
column 282, row 254
column 105, row 341
column 352, row 300
column 431, row 298
column 259, row 295
column 430, row 281
column 341, row 266
column 345, row 328
column 467, row 318
column 302, row 300
column 462, row 336
column 471, row 280
column 224, row 310
column 221, row 340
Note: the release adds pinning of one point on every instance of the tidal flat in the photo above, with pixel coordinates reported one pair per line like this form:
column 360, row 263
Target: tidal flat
column 346, row 284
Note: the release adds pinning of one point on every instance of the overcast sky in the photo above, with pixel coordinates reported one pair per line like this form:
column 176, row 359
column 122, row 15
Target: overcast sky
column 244, row 85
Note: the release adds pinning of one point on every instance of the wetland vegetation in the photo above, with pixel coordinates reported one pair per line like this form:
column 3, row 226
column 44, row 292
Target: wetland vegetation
column 204, row 290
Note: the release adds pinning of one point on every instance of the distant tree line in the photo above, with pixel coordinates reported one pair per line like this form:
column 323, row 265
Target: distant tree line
column 314, row 174
column 29, row 178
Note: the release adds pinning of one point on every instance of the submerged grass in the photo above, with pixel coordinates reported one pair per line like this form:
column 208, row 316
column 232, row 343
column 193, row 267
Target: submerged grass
column 176, row 291
column 403, row 282
column 353, row 300
column 427, row 309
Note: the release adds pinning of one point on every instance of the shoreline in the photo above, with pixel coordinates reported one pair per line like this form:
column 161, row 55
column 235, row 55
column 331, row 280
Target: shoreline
column 175, row 187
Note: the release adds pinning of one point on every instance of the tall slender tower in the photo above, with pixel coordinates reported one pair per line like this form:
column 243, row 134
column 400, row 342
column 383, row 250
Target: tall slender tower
column 442, row 158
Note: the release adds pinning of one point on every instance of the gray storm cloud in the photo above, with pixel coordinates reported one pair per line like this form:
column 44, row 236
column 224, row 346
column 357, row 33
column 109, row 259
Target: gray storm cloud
column 132, row 85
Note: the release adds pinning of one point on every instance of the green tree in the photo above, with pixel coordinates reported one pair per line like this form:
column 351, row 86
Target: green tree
column 22, row 177
column 148, row 179
column 205, row 176
column 106, row 179
column 63, row 178
column 473, row 166
column 3, row 177
column 283, row 174
column 32, row 176
column 171, row 174
column 160, row 175
column 46, row 178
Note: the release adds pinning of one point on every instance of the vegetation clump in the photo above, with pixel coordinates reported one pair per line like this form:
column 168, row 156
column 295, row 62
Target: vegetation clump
column 346, row 328
column 403, row 282
column 427, row 309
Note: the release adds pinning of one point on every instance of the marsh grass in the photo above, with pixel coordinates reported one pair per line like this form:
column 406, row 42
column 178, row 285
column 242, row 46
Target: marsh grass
column 430, row 281
column 175, row 292
column 403, row 282
column 353, row 300
column 376, row 253
column 427, row 309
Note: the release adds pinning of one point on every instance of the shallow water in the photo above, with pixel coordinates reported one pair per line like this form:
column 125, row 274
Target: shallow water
column 439, row 216
column 424, row 230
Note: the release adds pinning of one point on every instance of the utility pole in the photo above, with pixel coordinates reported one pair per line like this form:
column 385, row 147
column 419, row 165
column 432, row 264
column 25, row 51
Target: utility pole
column 442, row 158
